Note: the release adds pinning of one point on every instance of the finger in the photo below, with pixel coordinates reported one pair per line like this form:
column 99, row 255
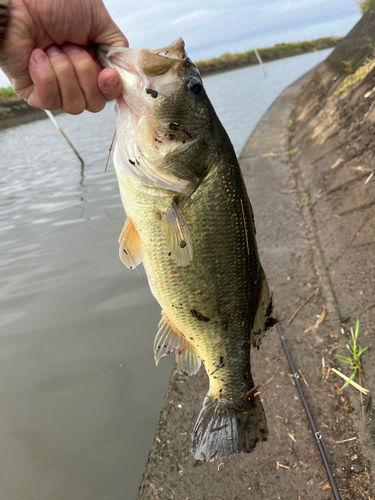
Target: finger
column 44, row 90
column 72, row 98
column 109, row 82
column 87, row 75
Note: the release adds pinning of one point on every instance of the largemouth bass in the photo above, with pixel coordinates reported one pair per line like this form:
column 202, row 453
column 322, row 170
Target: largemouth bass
column 190, row 222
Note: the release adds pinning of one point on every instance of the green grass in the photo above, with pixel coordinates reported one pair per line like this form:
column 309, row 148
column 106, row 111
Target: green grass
column 357, row 77
column 7, row 93
column 229, row 61
column 356, row 351
column 364, row 5
column 304, row 201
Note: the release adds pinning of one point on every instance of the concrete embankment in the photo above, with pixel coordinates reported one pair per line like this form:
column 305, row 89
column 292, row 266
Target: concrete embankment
column 16, row 112
column 288, row 465
column 333, row 129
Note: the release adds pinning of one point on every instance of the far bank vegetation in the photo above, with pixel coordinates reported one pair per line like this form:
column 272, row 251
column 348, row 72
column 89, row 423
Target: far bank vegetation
column 7, row 94
column 227, row 62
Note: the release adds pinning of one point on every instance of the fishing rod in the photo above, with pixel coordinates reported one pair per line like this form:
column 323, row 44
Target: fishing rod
column 317, row 434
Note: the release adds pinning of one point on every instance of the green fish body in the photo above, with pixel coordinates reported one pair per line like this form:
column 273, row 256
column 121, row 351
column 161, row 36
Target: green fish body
column 190, row 222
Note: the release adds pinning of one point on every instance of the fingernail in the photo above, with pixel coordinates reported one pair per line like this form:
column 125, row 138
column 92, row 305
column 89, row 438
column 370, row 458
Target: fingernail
column 53, row 51
column 39, row 57
column 71, row 49
column 112, row 82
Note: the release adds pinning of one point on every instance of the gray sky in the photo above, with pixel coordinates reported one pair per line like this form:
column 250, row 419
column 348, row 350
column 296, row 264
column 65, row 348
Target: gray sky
column 211, row 28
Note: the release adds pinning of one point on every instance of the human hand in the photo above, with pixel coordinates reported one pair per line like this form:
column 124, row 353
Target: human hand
column 48, row 56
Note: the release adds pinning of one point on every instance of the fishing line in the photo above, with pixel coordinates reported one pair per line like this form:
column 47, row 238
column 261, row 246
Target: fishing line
column 110, row 150
column 317, row 434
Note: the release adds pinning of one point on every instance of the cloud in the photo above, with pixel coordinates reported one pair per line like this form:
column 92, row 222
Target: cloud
column 156, row 24
column 194, row 16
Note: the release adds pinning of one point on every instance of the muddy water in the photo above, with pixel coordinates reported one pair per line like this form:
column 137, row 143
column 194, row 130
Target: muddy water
column 79, row 392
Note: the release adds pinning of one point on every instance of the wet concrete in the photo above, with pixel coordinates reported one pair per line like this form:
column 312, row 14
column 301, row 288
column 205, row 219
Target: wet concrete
column 288, row 465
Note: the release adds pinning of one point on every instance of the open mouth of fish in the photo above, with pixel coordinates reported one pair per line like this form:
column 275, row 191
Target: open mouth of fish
column 150, row 77
column 151, row 71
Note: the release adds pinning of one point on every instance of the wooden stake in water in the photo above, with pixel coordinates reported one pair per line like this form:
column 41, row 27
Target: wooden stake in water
column 52, row 118
column 260, row 61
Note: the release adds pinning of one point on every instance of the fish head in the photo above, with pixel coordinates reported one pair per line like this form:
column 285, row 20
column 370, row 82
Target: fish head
column 166, row 125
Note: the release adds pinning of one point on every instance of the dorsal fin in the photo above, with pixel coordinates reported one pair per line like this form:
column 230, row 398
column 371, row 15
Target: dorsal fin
column 179, row 243
column 169, row 339
column 131, row 252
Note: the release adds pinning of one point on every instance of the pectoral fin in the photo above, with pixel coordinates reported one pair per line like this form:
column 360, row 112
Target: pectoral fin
column 264, row 319
column 170, row 339
column 179, row 242
column 131, row 252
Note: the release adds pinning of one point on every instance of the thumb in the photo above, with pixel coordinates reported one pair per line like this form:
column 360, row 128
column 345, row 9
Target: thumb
column 109, row 80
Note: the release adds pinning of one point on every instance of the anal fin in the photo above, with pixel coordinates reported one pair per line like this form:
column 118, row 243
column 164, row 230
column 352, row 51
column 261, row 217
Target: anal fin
column 264, row 319
column 169, row 339
column 131, row 252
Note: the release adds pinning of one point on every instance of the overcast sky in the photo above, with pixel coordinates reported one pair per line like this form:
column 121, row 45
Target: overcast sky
column 211, row 28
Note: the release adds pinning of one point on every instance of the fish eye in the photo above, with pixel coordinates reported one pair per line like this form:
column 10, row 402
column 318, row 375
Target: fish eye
column 194, row 87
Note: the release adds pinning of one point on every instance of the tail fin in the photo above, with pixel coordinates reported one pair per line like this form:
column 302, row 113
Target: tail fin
column 224, row 428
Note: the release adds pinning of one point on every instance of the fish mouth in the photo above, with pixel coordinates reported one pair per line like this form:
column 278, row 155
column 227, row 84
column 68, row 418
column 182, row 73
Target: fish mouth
column 149, row 72
column 146, row 64
column 144, row 142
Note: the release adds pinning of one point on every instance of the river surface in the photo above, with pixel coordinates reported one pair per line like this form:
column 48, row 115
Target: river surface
column 80, row 394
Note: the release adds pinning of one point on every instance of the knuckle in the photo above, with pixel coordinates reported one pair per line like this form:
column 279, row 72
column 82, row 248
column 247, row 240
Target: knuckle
column 47, row 80
column 64, row 68
column 85, row 67
column 96, row 106
column 46, row 97
column 75, row 107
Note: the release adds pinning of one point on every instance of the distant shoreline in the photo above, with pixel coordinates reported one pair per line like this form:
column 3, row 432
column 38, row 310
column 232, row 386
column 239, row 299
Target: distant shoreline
column 228, row 62
column 15, row 111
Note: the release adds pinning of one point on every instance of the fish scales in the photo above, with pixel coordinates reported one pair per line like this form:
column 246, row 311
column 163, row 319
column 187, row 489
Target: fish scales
column 190, row 222
column 213, row 283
